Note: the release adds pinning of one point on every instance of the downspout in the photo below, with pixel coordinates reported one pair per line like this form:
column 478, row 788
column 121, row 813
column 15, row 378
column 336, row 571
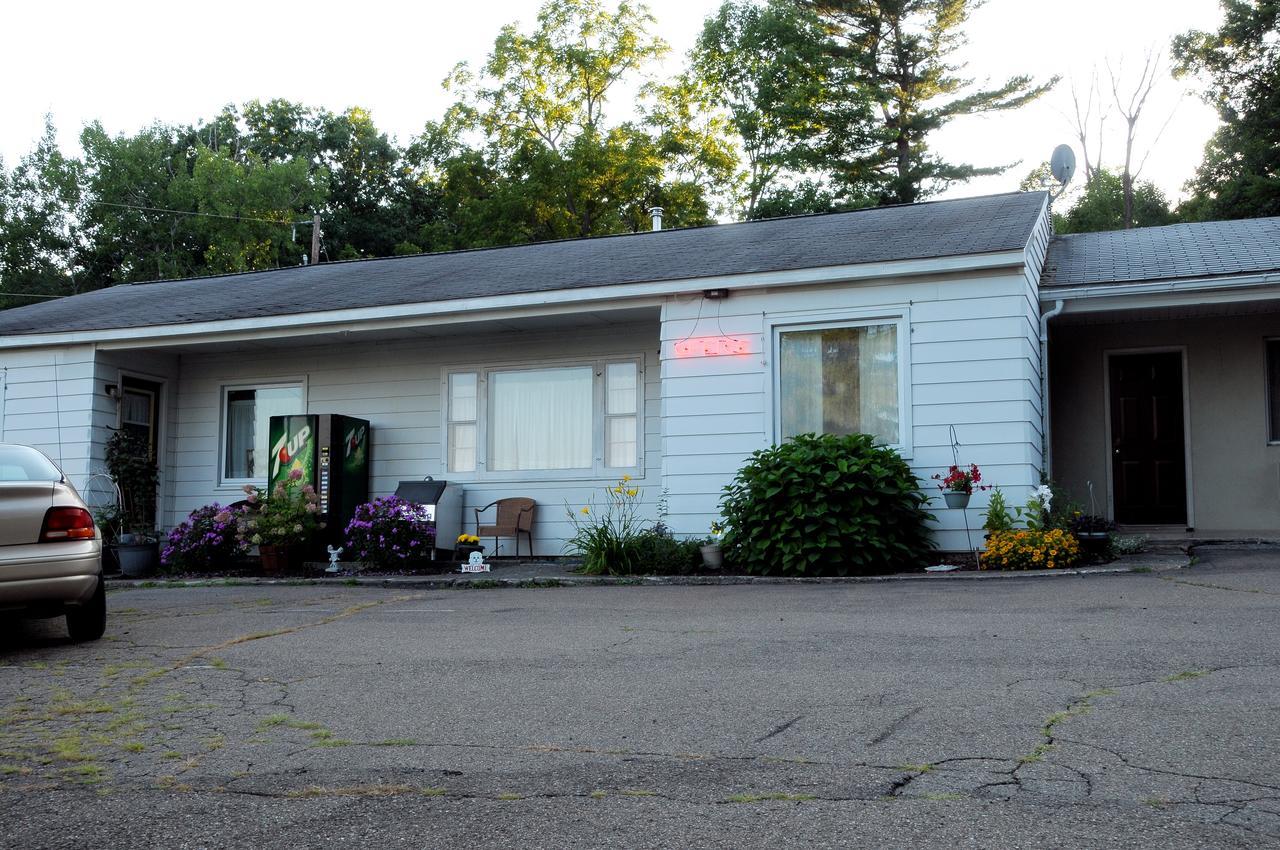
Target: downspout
column 1044, row 386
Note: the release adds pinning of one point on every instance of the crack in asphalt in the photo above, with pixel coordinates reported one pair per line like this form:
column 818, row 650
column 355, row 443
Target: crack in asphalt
column 215, row 697
column 778, row 730
column 893, row 727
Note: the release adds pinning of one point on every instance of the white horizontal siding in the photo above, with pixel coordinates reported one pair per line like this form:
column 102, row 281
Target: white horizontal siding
column 396, row 386
column 47, row 400
column 974, row 368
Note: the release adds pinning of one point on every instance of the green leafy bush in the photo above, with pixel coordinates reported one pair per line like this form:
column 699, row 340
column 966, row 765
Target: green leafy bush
column 825, row 505
column 661, row 554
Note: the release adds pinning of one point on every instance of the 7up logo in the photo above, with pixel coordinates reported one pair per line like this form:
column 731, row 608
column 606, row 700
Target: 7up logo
column 286, row 447
column 354, row 438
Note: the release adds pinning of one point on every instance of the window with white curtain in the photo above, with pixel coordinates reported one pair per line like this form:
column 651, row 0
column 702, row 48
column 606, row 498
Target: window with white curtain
column 580, row 418
column 840, row 379
column 247, row 418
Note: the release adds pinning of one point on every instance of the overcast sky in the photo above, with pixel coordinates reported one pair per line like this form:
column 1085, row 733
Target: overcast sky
column 130, row 63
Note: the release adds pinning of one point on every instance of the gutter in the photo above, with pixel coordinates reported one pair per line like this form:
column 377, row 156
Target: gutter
column 416, row 314
column 1149, row 287
column 1044, row 386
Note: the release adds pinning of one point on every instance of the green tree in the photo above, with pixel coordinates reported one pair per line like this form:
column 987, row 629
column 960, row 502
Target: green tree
column 1101, row 206
column 555, row 165
column 769, row 66
column 248, row 207
column 161, row 203
column 38, row 225
column 1240, row 174
column 899, row 53
column 132, row 183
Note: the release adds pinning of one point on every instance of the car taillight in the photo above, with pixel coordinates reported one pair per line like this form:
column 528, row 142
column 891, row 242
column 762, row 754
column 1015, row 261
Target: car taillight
column 66, row 523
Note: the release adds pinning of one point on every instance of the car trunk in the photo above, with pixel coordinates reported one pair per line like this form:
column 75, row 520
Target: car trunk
column 23, row 505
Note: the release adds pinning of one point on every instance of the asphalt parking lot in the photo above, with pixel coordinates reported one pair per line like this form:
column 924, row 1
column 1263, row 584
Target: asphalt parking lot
column 1131, row 710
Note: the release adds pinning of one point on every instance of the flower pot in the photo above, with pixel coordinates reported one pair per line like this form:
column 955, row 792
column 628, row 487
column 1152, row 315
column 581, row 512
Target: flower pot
column 1094, row 544
column 712, row 556
column 957, row 500
column 137, row 559
column 277, row 560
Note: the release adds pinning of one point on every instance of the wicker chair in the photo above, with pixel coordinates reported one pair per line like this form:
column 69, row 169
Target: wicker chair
column 514, row 517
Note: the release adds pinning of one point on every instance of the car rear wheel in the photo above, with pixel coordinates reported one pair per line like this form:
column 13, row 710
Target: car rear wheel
column 89, row 621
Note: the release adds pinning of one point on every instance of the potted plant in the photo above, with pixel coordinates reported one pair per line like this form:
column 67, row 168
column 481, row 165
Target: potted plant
column 958, row 484
column 280, row 523
column 132, row 466
column 1094, row 534
column 465, row 545
column 712, row 554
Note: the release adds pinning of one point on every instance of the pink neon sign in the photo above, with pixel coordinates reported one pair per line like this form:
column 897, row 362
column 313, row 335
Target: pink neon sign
column 712, row 346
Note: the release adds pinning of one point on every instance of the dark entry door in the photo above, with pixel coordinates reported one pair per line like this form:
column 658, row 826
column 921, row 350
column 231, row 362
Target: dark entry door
column 1148, row 452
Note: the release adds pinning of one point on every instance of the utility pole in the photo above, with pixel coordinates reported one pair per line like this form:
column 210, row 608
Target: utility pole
column 315, row 239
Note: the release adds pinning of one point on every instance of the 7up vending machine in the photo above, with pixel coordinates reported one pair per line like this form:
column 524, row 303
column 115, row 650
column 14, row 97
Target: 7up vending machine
column 332, row 452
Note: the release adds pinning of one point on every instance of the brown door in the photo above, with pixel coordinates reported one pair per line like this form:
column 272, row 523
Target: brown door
column 1148, row 452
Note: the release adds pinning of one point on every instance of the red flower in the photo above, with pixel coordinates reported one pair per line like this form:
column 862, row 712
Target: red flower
column 959, row 480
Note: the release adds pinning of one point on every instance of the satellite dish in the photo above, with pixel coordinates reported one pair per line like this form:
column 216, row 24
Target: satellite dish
column 1063, row 164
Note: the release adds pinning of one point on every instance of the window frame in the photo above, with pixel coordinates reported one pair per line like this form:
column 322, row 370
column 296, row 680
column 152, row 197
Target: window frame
column 778, row 324
column 1269, row 391
column 223, row 482
column 597, row 471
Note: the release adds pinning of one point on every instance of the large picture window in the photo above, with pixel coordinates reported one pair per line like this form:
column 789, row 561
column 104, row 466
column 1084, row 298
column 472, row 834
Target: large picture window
column 246, row 419
column 581, row 418
column 841, row 379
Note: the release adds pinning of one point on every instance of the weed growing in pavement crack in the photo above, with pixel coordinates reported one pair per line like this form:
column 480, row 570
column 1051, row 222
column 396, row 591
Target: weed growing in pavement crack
column 916, row 768
column 1185, row 675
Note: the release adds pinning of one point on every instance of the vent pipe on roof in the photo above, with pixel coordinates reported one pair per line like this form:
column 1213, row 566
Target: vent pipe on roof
column 655, row 213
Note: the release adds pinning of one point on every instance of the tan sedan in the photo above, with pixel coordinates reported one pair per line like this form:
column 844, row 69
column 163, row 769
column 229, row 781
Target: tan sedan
column 50, row 549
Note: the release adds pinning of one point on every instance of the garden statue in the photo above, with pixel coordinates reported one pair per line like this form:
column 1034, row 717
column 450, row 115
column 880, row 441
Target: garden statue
column 333, row 559
column 475, row 563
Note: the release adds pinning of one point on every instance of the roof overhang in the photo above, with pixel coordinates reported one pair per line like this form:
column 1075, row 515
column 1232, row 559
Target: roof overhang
column 513, row 307
column 1140, row 295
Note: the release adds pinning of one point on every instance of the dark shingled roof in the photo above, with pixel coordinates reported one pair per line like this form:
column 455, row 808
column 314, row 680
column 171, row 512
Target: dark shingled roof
column 1203, row 249
column 936, row 229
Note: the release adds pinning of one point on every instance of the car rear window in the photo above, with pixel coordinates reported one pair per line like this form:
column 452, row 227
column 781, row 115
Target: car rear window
column 19, row 463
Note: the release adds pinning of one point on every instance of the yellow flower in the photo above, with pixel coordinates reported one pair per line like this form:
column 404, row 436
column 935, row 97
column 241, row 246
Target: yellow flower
column 632, row 492
column 626, row 478
column 586, row 510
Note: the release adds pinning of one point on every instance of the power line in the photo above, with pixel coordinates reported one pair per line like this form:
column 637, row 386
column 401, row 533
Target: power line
column 4, row 294
column 204, row 214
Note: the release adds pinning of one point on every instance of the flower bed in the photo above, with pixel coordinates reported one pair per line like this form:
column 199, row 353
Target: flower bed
column 206, row 540
column 390, row 533
column 1030, row 549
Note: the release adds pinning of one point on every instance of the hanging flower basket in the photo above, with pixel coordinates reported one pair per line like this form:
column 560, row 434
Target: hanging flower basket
column 957, row 500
